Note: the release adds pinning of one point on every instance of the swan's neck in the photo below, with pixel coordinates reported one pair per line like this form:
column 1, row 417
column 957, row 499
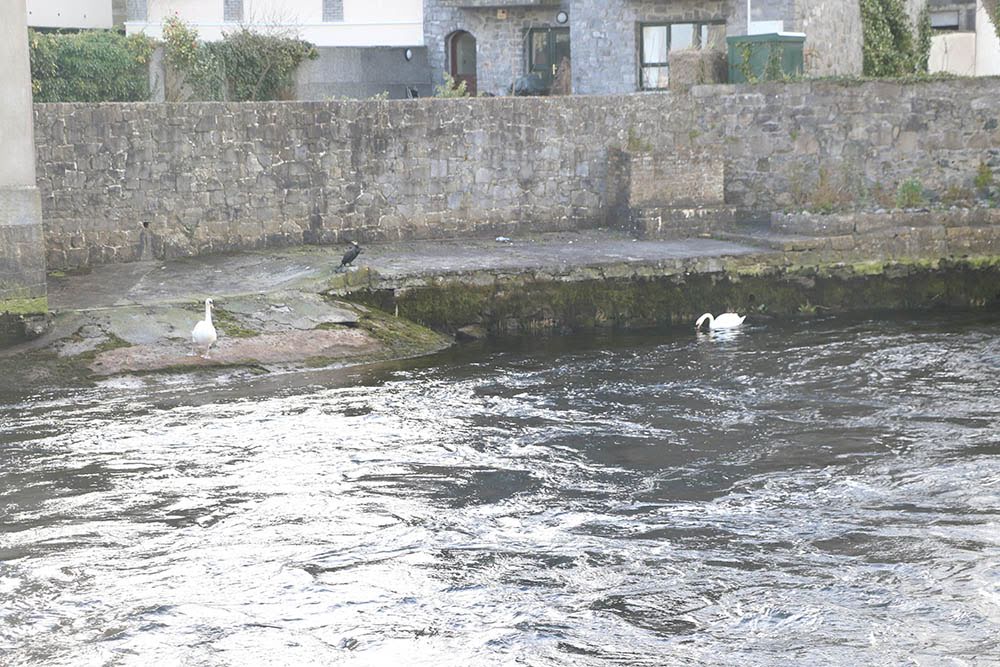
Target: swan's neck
column 208, row 313
column 706, row 316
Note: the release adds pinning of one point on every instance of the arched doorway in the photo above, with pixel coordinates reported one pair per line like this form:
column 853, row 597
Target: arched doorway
column 462, row 59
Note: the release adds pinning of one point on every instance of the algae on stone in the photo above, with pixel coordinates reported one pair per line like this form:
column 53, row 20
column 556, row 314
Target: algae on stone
column 32, row 306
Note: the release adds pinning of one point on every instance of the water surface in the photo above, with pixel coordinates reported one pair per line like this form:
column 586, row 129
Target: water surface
column 813, row 492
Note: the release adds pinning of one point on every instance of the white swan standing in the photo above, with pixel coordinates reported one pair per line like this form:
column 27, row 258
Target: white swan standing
column 203, row 336
column 723, row 321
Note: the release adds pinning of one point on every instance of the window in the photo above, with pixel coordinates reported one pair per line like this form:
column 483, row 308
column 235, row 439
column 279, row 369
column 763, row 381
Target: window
column 232, row 11
column 136, row 10
column 658, row 40
column 944, row 20
column 333, row 11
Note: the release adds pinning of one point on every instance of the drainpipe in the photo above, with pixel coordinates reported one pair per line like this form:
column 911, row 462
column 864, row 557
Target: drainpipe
column 748, row 17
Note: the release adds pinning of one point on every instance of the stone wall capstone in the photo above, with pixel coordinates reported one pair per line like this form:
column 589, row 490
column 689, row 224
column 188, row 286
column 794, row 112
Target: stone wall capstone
column 120, row 182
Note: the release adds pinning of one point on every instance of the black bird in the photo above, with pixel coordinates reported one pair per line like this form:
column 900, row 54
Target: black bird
column 351, row 254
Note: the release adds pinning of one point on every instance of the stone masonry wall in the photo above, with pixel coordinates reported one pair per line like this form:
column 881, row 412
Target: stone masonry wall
column 833, row 36
column 120, row 182
column 680, row 178
column 605, row 38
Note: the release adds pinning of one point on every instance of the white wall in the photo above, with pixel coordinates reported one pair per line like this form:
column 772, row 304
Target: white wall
column 953, row 52
column 72, row 14
column 366, row 22
column 987, row 44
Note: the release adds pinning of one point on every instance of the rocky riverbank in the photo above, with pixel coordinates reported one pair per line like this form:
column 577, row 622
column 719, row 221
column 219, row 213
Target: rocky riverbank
column 295, row 309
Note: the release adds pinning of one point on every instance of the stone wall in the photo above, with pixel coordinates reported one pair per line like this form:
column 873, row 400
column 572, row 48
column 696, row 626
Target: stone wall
column 679, row 179
column 798, row 145
column 120, row 182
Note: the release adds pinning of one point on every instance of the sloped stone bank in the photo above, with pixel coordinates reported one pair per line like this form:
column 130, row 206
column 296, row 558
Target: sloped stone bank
column 506, row 304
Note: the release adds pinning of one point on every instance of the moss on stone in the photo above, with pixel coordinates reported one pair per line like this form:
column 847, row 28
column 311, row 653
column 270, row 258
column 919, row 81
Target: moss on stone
column 112, row 342
column 33, row 306
column 754, row 269
column 982, row 262
column 347, row 280
column 230, row 326
column 400, row 335
column 529, row 303
column 868, row 268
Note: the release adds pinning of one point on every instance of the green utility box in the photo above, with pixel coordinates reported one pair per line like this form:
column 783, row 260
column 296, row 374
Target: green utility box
column 765, row 57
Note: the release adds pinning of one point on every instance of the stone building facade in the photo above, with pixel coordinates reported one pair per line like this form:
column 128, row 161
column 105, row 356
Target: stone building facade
column 605, row 37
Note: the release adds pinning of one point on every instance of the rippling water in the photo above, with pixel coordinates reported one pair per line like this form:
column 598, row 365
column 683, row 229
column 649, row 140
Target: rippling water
column 815, row 492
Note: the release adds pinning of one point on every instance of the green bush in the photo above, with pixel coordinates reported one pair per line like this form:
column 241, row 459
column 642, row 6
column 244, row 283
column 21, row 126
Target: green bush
column 889, row 48
column 90, row 66
column 244, row 66
column 984, row 177
column 910, row 194
column 450, row 88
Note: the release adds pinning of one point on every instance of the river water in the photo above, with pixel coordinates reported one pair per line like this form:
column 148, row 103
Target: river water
column 815, row 492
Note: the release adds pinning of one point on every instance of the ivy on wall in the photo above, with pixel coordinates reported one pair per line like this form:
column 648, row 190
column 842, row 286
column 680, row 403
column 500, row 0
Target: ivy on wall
column 244, row 66
column 90, row 66
column 890, row 48
column 992, row 8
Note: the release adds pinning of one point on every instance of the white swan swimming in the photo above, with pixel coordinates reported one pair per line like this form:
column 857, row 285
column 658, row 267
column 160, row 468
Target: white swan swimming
column 203, row 336
column 723, row 321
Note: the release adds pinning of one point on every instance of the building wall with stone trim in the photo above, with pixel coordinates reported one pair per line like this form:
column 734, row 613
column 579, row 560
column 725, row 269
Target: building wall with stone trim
column 122, row 181
column 604, row 38
column 604, row 35
column 500, row 42
column 833, row 36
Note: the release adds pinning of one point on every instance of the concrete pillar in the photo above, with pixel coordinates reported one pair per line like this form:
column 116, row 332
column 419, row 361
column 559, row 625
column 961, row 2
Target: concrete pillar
column 22, row 244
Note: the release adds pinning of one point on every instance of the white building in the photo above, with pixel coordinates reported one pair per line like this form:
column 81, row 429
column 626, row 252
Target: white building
column 75, row 14
column 356, row 23
column 367, row 47
column 960, row 48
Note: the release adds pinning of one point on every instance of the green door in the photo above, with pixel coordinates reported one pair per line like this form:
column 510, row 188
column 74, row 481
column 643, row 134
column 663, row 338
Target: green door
column 547, row 47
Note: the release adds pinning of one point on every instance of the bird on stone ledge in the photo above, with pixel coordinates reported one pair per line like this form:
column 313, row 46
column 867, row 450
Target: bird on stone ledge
column 204, row 335
column 349, row 256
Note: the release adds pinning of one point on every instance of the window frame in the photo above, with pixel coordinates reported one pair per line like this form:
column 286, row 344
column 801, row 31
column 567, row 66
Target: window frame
column 950, row 26
column 696, row 39
column 332, row 9
column 233, row 12
column 550, row 33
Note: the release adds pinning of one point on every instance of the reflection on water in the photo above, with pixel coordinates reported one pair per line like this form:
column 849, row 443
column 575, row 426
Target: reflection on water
column 817, row 492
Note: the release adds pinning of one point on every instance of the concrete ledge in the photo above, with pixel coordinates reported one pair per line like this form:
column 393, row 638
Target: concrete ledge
column 820, row 224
